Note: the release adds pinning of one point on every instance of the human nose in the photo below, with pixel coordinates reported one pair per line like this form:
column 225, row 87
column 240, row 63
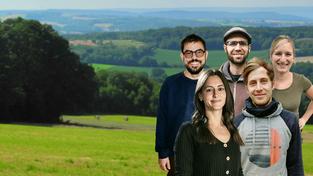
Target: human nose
column 193, row 56
column 238, row 46
column 214, row 92
column 258, row 86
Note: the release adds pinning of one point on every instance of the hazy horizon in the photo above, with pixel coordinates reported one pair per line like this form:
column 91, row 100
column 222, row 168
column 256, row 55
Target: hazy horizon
column 143, row 4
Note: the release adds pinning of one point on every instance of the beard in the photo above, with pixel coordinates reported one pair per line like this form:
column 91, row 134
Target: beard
column 192, row 70
column 237, row 62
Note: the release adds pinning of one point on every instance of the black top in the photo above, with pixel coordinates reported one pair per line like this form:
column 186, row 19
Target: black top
column 196, row 158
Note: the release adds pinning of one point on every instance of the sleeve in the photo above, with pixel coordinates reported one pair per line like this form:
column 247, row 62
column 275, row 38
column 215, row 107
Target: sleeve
column 184, row 150
column 305, row 82
column 294, row 154
column 161, row 144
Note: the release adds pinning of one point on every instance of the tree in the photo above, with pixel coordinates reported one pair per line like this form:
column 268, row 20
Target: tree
column 158, row 74
column 127, row 93
column 40, row 77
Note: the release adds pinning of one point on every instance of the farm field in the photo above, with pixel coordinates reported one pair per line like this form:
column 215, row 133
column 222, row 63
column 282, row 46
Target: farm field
column 110, row 145
column 148, row 70
column 215, row 57
column 305, row 59
column 171, row 57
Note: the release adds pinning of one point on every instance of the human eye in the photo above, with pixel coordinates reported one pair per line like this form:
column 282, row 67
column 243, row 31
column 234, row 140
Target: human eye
column 288, row 54
column 221, row 89
column 252, row 83
column 199, row 52
column 278, row 53
column 264, row 80
column 209, row 90
column 188, row 53
column 232, row 43
column 243, row 43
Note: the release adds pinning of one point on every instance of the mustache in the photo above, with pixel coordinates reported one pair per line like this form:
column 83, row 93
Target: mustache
column 194, row 60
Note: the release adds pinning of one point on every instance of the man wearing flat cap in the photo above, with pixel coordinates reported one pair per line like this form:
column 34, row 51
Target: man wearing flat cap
column 237, row 46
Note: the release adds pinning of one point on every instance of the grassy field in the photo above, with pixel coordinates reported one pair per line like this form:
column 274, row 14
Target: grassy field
column 124, row 43
column 171, row 57
column 215, row 57
column 27, row 150
column 109, row 145
column 168, row 71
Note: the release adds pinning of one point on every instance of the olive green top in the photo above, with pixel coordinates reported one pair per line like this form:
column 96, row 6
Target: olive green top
column 291, row 96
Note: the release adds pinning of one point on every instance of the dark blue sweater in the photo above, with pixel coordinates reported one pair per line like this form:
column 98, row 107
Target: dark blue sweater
column 175, row 107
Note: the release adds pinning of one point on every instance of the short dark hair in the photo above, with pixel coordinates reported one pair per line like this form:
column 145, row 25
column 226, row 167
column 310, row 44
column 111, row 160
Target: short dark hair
column 191, row 38
column 254, row 64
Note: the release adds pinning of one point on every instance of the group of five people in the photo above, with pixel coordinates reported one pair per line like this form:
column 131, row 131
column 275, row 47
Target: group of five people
column 238, row 120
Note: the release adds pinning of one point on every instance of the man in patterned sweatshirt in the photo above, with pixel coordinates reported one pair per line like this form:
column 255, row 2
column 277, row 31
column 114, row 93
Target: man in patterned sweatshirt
column 271, row 134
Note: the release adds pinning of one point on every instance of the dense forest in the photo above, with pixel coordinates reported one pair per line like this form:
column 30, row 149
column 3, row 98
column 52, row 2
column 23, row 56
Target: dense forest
column 41, row 78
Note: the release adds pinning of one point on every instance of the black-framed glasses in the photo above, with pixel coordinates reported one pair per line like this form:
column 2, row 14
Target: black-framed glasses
column 235, row 43
column 198, row 53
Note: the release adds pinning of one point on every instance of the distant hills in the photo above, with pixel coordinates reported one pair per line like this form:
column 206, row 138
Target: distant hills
column 107, row 20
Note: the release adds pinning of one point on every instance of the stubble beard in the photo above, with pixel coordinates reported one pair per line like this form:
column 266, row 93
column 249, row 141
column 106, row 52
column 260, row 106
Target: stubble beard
column 238, row 63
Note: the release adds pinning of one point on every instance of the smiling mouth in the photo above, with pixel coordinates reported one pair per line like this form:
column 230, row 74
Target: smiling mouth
column 283, row 64
column 194, row 64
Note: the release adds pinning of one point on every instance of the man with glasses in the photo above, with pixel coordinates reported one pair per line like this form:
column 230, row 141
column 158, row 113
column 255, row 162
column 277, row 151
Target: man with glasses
column 176, row 99
column 237, row 46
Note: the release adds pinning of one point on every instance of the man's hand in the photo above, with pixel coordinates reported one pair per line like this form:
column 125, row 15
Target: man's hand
column 164, row 164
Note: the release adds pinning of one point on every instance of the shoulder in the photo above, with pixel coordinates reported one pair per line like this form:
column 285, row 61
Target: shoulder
column 238, row 119
column 177, row 79
column 301, row 79
column 170, row 80
column 289, row 118
column 187, row 129
column 179, row 75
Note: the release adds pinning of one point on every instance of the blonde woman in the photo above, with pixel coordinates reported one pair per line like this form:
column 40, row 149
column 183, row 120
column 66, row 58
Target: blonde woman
column 289, row 86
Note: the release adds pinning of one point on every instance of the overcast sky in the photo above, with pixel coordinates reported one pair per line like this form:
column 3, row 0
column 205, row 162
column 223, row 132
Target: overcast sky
column 104, row 4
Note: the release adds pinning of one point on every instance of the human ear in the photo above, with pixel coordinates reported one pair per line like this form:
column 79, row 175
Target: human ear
column 182, row 57
column 200, row 97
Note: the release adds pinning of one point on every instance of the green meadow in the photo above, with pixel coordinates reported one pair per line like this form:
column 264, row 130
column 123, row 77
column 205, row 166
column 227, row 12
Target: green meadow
column 215, row 57
column 107, row 145
column 148, row 70
column 124, row 43
column 171, row 57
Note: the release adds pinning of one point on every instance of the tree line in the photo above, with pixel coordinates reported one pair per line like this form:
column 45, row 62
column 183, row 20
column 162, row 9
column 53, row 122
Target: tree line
column 41, row 79
column 117, row 55
column 169, row 38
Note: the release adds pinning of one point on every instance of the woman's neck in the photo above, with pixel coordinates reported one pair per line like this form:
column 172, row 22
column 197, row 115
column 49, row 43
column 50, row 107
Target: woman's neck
column 215, row 118
column 279, row 76
column 282, row 80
